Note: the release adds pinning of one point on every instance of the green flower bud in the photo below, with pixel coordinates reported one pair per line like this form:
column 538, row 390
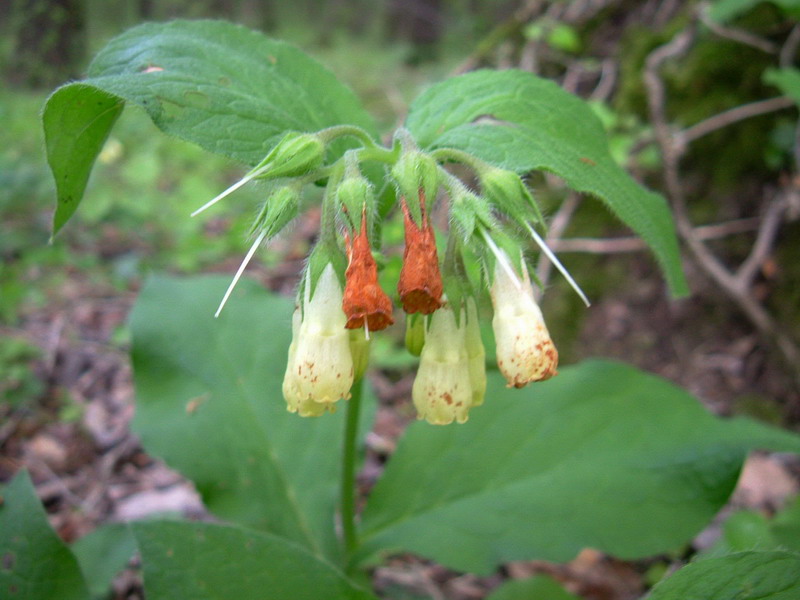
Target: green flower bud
column 277, row 212
column 417, row 175
column 359, row 349
column 296, row 154
column 415, row 333
column 506, row 190
column 476, row 354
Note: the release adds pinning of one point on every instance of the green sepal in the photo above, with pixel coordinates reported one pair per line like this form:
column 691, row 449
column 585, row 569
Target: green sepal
column 326, row 252
column 295, row 155
column 513, row 249
column 416, row 171
column 506, row 190
column 469, row 210
column 355, row 193
column 278, row 211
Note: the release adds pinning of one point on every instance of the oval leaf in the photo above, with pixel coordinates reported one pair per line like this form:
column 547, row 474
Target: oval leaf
column 228, row 89
column 209, row 403
column 600, row 456
column 202, row 561
column 518, row 121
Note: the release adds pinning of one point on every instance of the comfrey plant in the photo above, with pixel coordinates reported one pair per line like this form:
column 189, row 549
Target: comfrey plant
column 601, row 456
column 340, row 301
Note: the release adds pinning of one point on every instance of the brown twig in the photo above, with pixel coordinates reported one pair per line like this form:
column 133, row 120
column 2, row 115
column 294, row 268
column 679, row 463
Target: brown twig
column 738, row 35
column 735, row 286
column 729, row 117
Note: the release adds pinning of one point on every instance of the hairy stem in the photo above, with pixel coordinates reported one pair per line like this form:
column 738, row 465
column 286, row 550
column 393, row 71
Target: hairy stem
column 348, row 481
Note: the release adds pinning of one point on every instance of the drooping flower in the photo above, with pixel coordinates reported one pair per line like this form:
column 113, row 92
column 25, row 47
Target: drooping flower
column 420, row 285
column 364, row 303
column 442, row 391
column 319, row 371
column 525, row 352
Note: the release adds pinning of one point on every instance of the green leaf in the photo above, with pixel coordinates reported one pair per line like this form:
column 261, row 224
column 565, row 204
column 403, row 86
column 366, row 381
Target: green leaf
column 34, row 563
column 601, row 456
column 77, row 119
column 520, row 122
column 209, row 403
column 228, row 89
column 102, row 554
column 203, row 561
column 743, row 576
column 540, row 587
column 787, row 80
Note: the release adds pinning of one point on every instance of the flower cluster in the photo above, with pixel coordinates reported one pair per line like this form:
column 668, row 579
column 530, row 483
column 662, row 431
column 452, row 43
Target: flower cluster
column 341, row 301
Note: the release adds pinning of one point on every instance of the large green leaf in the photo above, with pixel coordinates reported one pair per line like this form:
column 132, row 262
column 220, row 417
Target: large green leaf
column 209, row 402
column 202, row 561
column 228, row 89
column 34, row 563
column 744, row 576
column 518, row 121
column 601, row 456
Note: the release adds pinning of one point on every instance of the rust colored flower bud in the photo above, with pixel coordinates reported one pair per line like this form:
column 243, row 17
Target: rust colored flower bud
column 364, row 300
column 420, row 286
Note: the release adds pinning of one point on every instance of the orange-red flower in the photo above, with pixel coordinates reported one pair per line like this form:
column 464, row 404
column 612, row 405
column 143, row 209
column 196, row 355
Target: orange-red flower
column 420, row 286
column 364, row 300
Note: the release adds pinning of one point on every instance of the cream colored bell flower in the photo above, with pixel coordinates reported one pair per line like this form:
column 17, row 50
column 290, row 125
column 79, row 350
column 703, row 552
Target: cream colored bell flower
column 525, row 352
column 442, row 391
column 320, row 366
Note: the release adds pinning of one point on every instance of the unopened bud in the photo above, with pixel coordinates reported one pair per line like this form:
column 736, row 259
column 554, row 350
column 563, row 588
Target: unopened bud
column 476, row 354
column 507, row 191
column 296, row 154
column 359, row 350
column 415, row 334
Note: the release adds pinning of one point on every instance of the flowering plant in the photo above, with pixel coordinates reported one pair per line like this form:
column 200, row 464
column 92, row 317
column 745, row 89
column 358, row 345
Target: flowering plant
column 601, row 456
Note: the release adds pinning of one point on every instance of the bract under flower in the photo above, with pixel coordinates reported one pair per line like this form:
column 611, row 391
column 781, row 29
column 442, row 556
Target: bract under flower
column 442, row 391
column 525, row 352
column 420, row 286
column 320, row 367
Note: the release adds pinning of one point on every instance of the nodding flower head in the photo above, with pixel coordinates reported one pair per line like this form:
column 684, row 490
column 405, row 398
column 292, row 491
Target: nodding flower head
column 420, row 285
column 364, row 303
column 320, row 366
column 442, row 391
column 525, row 352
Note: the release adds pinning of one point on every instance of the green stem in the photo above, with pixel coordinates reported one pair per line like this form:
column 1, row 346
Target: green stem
column 331, row 133
column 349, row 456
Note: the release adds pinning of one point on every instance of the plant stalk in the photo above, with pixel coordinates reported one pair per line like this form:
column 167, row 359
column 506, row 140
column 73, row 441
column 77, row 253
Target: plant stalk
column 349, row 460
